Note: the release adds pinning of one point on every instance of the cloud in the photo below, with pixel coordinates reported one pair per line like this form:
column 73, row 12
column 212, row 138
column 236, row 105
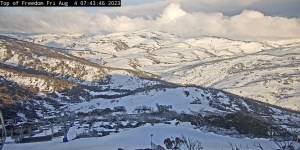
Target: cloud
column 286, row 8
column 172, row 12
column 249, row 24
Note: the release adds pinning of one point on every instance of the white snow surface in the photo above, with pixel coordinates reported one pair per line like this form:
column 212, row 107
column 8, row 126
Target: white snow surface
column 175, row 97
column 263, row 70
column 140, row 138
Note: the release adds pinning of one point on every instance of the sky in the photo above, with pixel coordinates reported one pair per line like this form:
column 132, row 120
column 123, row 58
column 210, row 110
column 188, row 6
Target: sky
column 238, row 19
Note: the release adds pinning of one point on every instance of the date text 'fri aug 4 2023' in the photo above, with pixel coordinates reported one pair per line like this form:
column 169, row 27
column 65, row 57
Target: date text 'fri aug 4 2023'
column 61, row 3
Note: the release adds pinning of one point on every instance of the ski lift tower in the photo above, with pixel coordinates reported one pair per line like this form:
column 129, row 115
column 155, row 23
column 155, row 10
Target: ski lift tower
column 4, row 133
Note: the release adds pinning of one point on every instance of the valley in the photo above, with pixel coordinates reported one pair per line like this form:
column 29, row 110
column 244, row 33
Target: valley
column 102, row 86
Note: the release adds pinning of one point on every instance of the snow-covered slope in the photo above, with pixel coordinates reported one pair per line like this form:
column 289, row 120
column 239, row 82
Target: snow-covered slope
column 140, row 138
column 66, row 77
column 61, row 77
column 263, row 70
column 41, row 60
column 121, row 83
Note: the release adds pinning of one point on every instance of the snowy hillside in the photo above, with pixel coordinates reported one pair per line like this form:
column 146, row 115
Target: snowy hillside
column 88, row 86
column 140, row 138
column 267, row 71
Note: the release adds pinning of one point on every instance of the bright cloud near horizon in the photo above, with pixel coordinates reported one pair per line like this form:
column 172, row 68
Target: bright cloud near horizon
column 237, row 19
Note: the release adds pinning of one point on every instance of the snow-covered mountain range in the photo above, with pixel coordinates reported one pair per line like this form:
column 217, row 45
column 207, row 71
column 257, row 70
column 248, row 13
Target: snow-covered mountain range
column 268, row 71
column 229, row 87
